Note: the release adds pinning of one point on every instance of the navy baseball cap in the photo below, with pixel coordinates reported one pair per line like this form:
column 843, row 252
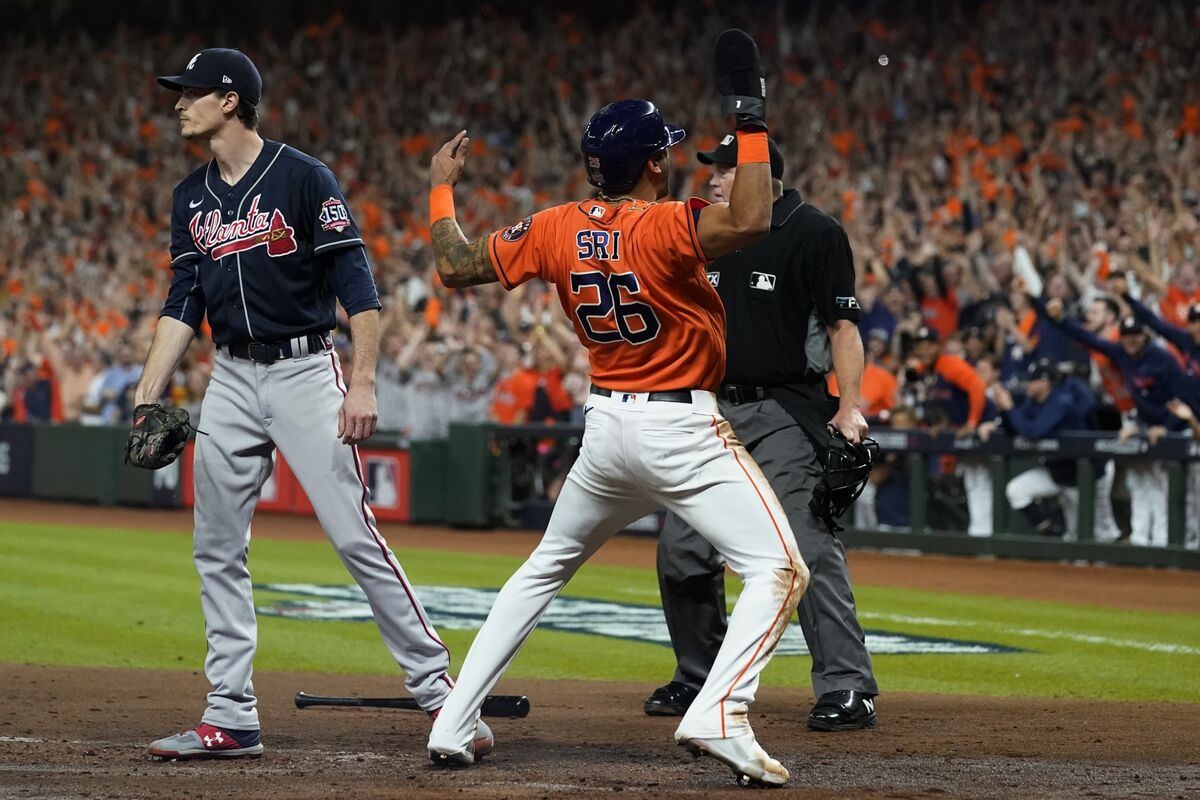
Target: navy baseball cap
column 1130, row 326
column 219, row 68
column 1044, row 369
column 926, row 334
column 725, row 154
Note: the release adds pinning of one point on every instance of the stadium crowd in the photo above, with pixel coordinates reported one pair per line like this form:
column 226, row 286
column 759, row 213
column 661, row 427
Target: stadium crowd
column 1006, row 172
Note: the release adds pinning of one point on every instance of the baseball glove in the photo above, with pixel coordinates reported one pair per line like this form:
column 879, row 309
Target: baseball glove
column 847, row 468
column 157, row 436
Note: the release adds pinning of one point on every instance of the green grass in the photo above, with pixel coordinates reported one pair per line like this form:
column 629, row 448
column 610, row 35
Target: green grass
column 131, row 599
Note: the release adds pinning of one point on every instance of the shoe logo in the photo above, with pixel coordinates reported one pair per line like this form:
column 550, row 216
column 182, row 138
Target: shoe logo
column 216, row 738
column 870, row 704
column 195, row 204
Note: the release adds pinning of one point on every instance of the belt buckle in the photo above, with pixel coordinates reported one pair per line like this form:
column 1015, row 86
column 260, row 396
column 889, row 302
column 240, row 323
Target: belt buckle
column 262, row 352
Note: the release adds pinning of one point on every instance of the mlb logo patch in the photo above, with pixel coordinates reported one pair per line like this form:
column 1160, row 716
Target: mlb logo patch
column 714, row 278
column 597, row 211
column 763, row 281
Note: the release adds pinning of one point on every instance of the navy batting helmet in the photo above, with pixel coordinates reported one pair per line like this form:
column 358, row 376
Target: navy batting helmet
column 620, row 138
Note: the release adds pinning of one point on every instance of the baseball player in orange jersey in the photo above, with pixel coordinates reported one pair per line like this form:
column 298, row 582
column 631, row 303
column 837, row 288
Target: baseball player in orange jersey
column 629, row 270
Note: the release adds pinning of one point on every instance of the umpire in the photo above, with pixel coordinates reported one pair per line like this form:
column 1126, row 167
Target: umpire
column 791, row 316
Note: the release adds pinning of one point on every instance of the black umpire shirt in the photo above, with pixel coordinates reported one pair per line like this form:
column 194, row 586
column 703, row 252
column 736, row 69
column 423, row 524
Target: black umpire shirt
column 780, row 294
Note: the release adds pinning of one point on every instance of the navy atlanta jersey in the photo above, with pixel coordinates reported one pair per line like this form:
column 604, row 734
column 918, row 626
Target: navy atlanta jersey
column 265, row 258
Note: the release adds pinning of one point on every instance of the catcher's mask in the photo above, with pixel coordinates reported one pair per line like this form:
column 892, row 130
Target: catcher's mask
column 847, row 467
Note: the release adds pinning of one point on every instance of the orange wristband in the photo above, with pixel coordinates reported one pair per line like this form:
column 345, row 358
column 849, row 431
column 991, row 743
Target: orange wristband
column 441, row 201
column 752, row 148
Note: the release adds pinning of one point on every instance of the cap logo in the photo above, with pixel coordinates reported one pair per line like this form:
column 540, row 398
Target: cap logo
column 226, row 79
column 727, row 140
column 192, row 63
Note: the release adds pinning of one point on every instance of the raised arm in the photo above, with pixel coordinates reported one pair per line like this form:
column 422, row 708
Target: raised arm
column 1172, row 333
column 723, row 228
column 459, row 262
column 1075, row 330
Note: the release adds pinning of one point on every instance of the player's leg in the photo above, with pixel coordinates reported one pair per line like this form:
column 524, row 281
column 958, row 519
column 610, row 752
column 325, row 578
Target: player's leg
column 1157, row 487
column 1070, row 504
column 977, row 484
column 592, row 506
column 1191, row 539
column 1106, row 529
column 1141, row 502
column 695, row 466
column 231, row 463
column 691, row 582
column 1024, row 492
column 827, row 613
column 305, row 397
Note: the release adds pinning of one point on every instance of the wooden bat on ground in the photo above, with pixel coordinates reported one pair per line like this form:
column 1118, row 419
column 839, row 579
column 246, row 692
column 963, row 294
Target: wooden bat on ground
column 494, row 705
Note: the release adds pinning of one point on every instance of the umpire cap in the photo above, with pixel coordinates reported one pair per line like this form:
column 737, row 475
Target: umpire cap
column 725, row 154
column 620, row 138
column 219, row 68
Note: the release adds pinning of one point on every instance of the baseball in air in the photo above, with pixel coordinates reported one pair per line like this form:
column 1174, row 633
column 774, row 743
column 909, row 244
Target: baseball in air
column 883, row 60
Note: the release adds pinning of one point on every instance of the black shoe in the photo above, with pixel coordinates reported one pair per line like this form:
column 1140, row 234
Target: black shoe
column 672, row 700
column 846, row 710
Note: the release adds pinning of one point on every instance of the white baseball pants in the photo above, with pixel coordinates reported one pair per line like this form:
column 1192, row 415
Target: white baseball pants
column 639, row 455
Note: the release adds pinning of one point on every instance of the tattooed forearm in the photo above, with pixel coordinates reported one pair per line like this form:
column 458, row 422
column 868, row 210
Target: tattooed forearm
column 459, row 262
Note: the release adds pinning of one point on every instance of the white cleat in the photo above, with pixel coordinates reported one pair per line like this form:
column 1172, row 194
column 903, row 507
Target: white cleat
column 750, row 763
column 480, row 746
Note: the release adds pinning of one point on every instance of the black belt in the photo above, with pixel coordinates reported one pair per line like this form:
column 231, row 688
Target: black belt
column 733, row 393
column 679, row 396
column 270, row 352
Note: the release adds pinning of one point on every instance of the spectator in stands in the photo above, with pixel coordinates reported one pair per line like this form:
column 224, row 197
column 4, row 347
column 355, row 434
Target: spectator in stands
column 1154, row 378
column 951, row 388
column 115, row 385
column 1047, row 494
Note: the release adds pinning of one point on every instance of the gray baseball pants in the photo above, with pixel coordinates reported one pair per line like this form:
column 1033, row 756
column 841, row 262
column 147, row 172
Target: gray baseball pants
column 691, row 573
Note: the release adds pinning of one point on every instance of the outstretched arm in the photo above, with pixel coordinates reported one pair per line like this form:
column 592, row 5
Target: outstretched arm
column 459, row 262
column 1173, row 334
column 1075, row 330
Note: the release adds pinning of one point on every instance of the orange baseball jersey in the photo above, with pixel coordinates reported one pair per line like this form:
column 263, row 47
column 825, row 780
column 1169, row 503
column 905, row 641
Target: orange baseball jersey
column 631, row 278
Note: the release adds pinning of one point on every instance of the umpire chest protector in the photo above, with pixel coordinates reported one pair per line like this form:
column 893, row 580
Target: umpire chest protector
column 779, row 293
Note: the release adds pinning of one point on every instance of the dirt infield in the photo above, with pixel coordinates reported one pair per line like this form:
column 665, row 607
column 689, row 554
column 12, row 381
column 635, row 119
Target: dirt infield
column 81, row 732
column 74, row 733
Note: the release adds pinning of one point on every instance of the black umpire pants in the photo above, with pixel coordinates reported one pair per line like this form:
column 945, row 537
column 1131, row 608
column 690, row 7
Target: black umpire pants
column 691, row 574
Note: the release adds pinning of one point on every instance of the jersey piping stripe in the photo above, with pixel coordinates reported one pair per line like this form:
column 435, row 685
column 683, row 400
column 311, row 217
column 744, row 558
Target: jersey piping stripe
column 186, row 300
column 238, row 256
column 327, row 245
column 184, row 255
column 497, row 266
column 791, row 588
column 209, row 188
column 387, row 554
column 695, row 235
